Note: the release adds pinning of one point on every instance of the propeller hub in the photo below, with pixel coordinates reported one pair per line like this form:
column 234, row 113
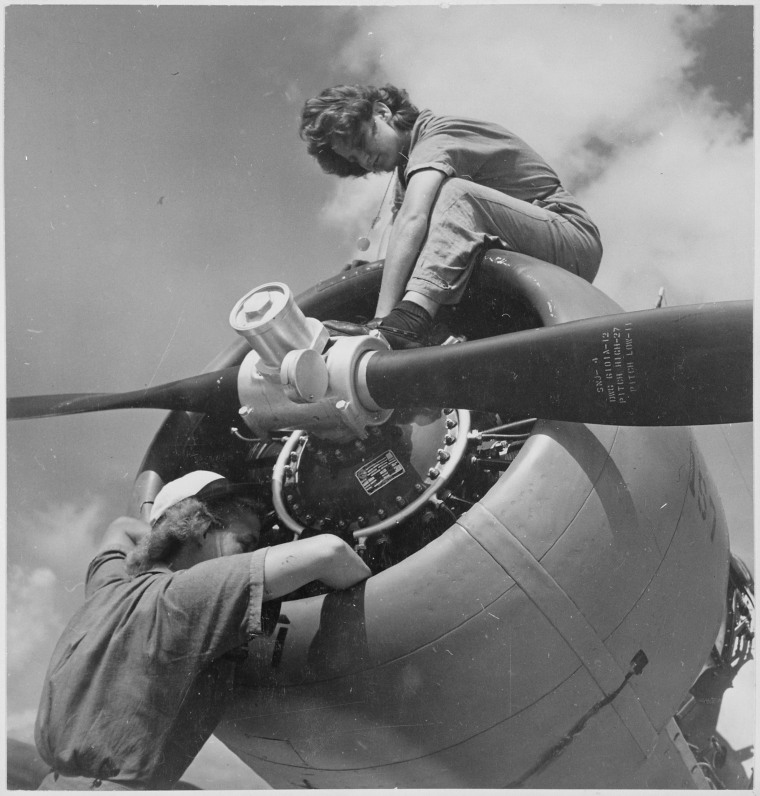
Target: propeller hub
column 317, row 393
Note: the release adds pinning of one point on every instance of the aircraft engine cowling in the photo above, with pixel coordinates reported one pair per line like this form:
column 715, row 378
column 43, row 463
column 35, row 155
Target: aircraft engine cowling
column 535, row 621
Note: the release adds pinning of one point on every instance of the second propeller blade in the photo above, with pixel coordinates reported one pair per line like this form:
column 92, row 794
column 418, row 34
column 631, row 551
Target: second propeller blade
column 686, row 365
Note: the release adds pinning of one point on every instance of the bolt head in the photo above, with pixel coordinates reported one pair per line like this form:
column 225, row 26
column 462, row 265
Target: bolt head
column 257, row 306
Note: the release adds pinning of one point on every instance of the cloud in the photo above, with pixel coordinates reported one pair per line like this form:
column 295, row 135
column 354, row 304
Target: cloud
column 61, row 536
column 602, row 92
column 51, row 547
column 550, row 73
column 33, row 618
column 678, row 212
column 354, row 205
column 45, row 587
column 20, row 724
column 34, row 623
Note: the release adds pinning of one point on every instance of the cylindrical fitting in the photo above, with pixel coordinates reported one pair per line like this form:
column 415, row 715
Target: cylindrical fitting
column 272, row 323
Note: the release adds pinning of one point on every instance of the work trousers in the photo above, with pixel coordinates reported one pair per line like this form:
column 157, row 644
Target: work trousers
column 468, row 219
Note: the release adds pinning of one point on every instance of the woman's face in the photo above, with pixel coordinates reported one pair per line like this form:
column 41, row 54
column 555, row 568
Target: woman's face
column 241, row 530
column 377, row 147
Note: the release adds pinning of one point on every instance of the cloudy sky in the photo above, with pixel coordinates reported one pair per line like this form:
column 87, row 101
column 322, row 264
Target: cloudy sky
column 154, row 174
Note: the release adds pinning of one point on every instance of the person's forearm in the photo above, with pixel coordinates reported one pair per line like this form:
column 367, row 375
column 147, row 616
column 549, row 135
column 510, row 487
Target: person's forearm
column 124, row 532
column 325, row 558
column 403, row 247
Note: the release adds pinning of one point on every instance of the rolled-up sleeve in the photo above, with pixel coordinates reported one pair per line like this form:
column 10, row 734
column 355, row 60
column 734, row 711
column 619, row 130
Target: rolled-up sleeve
column 436, row 147
column 107, row 567
column 256, row 596
column 262, row 616
column 212, row 607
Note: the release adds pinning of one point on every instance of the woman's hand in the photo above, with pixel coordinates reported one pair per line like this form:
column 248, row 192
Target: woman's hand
column 125, row 532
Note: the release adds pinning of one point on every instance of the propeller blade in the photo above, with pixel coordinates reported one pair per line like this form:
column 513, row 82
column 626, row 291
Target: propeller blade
column 688, row 365
column 216, row 391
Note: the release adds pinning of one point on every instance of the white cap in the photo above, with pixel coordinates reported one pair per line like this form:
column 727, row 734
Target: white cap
column 202, row 484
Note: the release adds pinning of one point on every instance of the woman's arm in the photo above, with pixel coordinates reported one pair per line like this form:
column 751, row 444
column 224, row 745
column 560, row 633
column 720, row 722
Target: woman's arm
column 124, row 532
column 407, row 235
column 326, row 558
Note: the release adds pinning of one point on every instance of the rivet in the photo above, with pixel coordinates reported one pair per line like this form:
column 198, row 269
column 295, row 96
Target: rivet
column 449, row 440
column 443, row 457
column 433, row 473
column 400, row 501
column 451, row 423
column 382, row 513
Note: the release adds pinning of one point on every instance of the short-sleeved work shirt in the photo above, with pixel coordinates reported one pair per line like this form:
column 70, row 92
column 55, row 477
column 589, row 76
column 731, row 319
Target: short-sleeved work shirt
column 487, row 154
column 141, row 676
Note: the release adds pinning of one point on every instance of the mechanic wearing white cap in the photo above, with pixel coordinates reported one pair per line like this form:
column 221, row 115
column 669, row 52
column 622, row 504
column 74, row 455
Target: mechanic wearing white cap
column 142, row 674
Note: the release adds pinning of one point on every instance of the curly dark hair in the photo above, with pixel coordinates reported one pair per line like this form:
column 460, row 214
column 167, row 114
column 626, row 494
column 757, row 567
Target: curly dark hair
column 187, row 521
column 340, row 111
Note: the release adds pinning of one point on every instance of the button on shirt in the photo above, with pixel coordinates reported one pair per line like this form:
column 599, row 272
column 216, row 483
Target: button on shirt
column 141, row 676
